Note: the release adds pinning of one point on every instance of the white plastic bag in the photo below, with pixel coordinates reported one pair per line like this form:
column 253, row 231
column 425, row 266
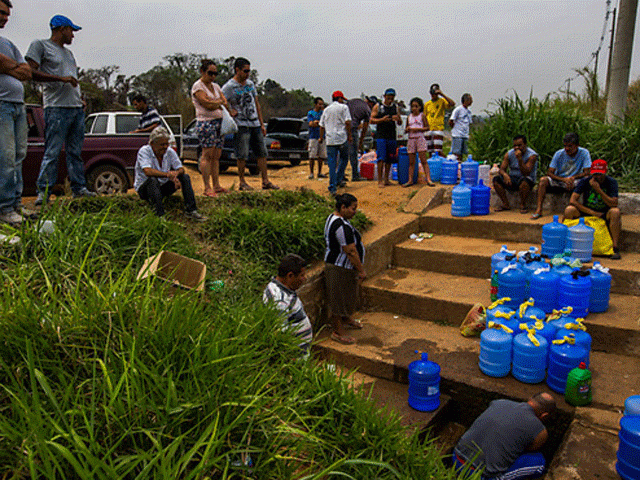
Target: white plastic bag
column 228, row 124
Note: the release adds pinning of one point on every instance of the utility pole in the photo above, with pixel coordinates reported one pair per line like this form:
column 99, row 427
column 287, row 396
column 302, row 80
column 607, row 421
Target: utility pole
column 613, row 30
column 621, row 61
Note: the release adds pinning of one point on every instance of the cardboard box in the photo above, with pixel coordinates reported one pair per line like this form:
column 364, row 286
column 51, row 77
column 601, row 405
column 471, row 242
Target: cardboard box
column 176, row 269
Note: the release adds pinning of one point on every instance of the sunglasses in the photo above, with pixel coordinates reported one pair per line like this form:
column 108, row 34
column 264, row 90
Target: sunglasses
column 248, row 70
column 4, row 12
column 212, row 73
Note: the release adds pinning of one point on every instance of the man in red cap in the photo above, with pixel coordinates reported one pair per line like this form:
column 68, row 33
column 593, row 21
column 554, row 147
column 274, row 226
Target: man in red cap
column 335, row 123
column 599, row 199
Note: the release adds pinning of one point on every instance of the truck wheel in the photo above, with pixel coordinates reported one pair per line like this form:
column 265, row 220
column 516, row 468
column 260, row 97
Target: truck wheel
column 107, row 180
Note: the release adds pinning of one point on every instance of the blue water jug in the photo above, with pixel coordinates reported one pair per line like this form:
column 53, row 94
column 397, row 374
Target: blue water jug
column 543, row 288
column 461, row 200
column 528, row 312
column 554, row 237
column 564, row 356
column 403, row 167
column 600, row 288
column 628, row 464
column 575, row 291
column 529, row 357
column 424, row 384
column 495, row 351
column 545, row 329
column 500, row 256
column 498, row 309
column 449, row 172
column 480, row 199
column 580, row 241
column 435, row 167
column 578, row 332
column 512, row 282
column 562, row 269
column 532, row 264
column 632, row 405
column 469, row 171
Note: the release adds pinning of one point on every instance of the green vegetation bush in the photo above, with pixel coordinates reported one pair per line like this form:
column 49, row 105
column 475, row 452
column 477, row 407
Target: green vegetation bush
column 545, row 122
column 104, row 376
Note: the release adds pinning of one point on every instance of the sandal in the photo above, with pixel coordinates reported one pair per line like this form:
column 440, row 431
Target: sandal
column 343, row 339
column 501, row 208
column 269, row 186
column 408, row 184
column 353, row 324
column 431, row 184
column 210, row 194
column 524, row 210
column 536, row 216
column 245, row 187
column 220, row 190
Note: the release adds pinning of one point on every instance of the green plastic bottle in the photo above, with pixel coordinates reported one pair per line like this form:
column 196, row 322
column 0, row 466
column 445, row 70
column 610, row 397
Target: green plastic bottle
column 578, row 391
column 494, row 286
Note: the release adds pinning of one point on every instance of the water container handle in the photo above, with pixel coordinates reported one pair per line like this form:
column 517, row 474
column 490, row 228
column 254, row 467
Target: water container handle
column 578, row 325
column 499, row 326
column 504, row 315
column 579, row 273
column 597, row 266
column 511, row 266
column 556, row 314
column 510, row 257
column 569, row 340
column 531, row 334
column 523, row 307
column 541, row 270
column 499, row 302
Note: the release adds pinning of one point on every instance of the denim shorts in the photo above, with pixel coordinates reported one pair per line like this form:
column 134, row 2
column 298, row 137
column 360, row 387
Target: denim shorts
column 249, row 137
column 459, row 146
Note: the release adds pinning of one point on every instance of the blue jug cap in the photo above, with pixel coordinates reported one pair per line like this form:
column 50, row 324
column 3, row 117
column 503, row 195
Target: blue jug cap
column 555, row 219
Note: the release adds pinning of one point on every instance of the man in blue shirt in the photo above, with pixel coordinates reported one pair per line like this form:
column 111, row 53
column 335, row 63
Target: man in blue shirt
column 567, row 165
column 599, row 199
column 317, row 146
column 13, row 124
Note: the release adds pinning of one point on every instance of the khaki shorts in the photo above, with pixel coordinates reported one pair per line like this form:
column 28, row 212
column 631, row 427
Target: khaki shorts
column 317, row 149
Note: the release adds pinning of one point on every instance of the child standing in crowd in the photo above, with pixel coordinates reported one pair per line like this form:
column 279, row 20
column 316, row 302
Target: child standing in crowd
column 417, row 125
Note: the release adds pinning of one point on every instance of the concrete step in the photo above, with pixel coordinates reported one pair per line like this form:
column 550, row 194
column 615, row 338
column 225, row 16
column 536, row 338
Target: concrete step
column 446, row 299
column 472, row 257
column 387, row 344
column 511, row 226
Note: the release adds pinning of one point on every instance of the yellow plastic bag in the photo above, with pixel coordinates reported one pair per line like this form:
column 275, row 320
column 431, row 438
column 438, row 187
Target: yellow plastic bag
column 602, row 243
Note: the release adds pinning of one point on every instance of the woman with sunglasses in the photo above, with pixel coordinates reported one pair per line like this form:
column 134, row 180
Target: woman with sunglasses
column 208, row 99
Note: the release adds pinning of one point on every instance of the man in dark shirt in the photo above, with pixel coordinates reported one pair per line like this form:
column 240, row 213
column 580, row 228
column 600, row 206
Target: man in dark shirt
column 599, row 199
column 360, row 111
column 498, row 439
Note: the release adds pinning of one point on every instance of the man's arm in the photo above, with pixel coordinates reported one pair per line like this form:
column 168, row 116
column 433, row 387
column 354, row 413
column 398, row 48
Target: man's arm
column 450, row 103
column 503, row 169
column 18, row 70
column 259, row 111
column 39, row 76
column 365, row 129
column 527, row 167
column 374, row 115
column 539, row 441
column 347, row 125
column 146, row 129
column 453, row 117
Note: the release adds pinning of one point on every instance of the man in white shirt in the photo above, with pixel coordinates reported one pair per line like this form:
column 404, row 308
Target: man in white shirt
column 459, row 121
column 335, row 127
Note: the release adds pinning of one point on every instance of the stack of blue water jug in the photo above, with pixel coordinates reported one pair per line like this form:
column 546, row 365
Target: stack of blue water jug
column 628, row 464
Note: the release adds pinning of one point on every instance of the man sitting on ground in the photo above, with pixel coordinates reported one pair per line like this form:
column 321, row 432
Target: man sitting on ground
column 567, row 165
column 520, row 162
column 497, row 440
column 599, row 199
column 159, row 174
column 281, row 291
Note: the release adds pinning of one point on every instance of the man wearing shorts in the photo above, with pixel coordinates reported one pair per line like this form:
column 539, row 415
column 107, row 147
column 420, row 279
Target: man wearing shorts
column 569, row 164
column 242, row 97
column 317, row 145
column 520, row 162
column 599, row 199
column 459, row 121
column 386, row 116
column 434, row 109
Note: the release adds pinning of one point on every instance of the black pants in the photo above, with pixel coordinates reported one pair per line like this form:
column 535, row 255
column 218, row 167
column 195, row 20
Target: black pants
column 153, row 191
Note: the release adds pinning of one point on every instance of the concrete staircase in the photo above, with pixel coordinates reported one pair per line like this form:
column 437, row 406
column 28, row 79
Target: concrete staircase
column 419, row 300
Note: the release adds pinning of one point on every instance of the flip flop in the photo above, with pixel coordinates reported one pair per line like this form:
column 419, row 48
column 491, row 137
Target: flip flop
column 210, row 194
column 431, row 184
column 408, row 184
column 269, row 186
column 343, row 339
column 536, row 216
column 221, row 190
column 245, row 187
column 501, row 208
column 353, row 324
column 524, row 210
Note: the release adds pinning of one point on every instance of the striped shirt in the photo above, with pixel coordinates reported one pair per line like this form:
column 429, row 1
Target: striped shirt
column 288, row 302
column 338, row 232
column 150, row 117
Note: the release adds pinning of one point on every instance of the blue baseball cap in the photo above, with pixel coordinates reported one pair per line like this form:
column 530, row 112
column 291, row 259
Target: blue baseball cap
column 390, row 91
column 62, row 21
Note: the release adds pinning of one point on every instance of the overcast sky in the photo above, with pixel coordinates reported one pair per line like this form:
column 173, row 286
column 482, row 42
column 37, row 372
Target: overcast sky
column 488, row 48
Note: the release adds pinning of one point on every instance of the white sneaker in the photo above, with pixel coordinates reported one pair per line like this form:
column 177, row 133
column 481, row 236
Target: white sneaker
column 12, row 218
column 84, row 192
column 42, row 199
column 196, row 216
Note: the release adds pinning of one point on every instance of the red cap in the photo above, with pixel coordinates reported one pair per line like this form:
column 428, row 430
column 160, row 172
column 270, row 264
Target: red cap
column 599, row 166
column 337, row 94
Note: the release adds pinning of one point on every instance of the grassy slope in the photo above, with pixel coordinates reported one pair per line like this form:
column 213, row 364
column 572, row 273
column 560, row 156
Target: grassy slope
column 104, row 376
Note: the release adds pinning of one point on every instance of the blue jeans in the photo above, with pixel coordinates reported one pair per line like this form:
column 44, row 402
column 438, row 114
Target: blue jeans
column 336, row 171
column 152, row 191
column 13, row 149
column 526, row 466
column 62, row 126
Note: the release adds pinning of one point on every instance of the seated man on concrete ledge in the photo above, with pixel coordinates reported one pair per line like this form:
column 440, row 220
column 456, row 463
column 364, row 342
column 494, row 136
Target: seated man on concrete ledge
column 159, row 173
column 568, row 164
column 599, row 199
column 517, row 173
column 497, row 441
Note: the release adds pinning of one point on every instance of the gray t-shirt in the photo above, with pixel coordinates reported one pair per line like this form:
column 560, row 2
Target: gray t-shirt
column 11, row 89
column 242, row 98
column 499, row 436
column 56, row 60
column 514, row 166
column 359, row 111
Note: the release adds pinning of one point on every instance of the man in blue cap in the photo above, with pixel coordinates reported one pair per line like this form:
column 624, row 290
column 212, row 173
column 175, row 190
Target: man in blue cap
column 54, row 64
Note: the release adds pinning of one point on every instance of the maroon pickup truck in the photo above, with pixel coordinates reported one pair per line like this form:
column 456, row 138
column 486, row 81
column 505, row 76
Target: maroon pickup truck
column 109, row 159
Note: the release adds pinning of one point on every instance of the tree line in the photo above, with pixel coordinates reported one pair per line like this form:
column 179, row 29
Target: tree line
column 167, row 87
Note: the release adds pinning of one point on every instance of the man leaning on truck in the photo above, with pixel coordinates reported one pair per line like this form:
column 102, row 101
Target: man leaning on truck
column 54, row 64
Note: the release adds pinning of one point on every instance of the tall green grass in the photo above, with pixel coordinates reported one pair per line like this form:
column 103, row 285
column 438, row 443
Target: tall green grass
column 103, row 376
column 545, row 122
